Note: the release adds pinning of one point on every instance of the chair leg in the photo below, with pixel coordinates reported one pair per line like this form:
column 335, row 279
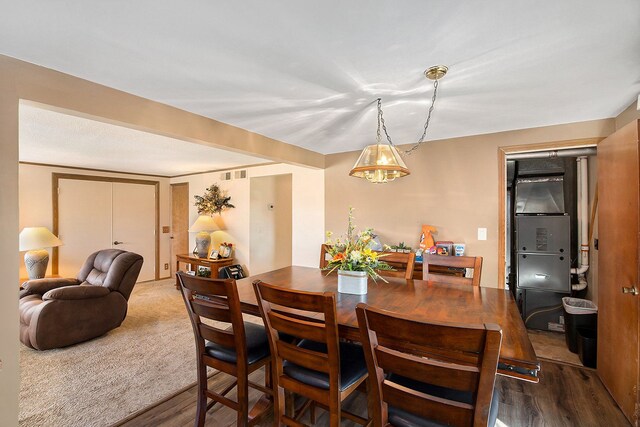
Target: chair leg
column 243, row 400
column 278, row 406
column 201, row 407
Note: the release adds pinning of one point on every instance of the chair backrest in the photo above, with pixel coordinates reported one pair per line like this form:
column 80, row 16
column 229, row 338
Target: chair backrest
column 324, row 250
column 402, row 263
column 112, row 268
column 474, row 263
column 216, row 300
column 463, row 358
column 303, row 322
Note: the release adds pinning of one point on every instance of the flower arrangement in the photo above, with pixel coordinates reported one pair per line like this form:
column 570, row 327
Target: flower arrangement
column 214, row 201
column 354, row 254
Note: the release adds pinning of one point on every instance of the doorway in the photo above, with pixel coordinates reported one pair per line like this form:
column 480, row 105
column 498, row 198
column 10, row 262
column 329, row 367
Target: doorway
column 270, row 223
column 93, row 213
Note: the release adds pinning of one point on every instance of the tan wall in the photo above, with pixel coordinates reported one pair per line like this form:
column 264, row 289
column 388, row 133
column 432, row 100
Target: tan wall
column 36, row 203
column 9, row 258
column 453, row 185
column 627, row 115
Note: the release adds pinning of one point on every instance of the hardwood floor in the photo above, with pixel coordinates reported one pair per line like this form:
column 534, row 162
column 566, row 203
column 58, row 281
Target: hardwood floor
column 565, row 396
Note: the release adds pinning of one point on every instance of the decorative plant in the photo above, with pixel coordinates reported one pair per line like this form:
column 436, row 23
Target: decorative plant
column 354, row 254
column 214, row 201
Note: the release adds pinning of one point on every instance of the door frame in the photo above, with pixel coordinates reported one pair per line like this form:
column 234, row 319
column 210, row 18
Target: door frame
column 502, row 187
column 55, row 179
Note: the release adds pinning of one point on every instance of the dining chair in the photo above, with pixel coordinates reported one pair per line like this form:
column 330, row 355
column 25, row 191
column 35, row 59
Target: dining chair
column 324, row 250
column 474, row 263
column 318, row 367
column 427, row 374
column 226, row 343
column 402, row 263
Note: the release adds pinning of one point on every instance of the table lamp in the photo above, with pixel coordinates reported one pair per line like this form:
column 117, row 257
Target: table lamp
column 34, row 240
column 204, row 226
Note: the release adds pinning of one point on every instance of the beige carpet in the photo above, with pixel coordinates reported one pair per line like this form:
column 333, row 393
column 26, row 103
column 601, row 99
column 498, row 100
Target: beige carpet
column 97, row 383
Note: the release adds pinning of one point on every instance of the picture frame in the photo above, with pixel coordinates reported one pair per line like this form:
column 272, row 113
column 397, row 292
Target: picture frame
column 214, row 254
column 203, row 271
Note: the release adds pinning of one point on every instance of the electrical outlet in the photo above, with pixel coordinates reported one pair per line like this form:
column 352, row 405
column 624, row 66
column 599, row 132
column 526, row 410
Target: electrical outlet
column 166, row 266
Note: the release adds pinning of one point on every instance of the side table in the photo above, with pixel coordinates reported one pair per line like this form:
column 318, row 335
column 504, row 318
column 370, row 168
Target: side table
column 213, row 264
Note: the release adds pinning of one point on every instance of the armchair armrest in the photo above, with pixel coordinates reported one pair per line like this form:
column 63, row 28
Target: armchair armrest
column 42, row 286
column 76, row 292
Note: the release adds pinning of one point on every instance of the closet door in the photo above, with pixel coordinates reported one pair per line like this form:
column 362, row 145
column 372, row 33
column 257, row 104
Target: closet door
column 84, row 222
column 134, row 223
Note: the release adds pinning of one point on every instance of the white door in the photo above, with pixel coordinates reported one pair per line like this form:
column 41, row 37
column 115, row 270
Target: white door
column 95, row 215
column 84, row 222
column 134, row 223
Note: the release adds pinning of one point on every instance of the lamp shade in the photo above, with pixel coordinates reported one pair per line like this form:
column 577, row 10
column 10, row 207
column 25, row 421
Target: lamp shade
column 37, row 238
column 379, row 163
column 204, row 223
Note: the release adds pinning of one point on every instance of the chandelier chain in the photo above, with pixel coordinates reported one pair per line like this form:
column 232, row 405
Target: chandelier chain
column 426, row 123
column 381, row 123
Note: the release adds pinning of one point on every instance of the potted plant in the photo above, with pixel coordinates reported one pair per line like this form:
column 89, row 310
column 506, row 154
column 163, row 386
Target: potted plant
column 354, row 260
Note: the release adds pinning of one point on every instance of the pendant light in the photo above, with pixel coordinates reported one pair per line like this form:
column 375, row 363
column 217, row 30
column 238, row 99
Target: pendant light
column 381, row 162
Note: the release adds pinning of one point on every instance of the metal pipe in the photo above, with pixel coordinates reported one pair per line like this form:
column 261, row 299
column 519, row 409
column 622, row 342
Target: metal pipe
column 550, row 154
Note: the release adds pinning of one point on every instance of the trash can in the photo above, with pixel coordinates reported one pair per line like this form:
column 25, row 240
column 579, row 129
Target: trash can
column 578, row 313
column 588, row 346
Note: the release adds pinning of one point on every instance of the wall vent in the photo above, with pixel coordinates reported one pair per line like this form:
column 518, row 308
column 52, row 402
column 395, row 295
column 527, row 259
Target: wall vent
column 241, row 174
column 225, row 176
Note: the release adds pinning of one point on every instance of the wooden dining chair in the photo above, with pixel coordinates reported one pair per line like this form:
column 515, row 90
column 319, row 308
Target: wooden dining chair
column 425, row 374
column 324, row 250
column 319, row 367
column 403, row 264
column 474, row 263
column 237, row 350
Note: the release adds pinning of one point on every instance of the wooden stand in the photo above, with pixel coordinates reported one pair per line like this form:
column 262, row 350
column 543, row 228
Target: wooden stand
column 213, row 264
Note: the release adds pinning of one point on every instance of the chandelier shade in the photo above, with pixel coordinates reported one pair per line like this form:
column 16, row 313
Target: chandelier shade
column 379, row 163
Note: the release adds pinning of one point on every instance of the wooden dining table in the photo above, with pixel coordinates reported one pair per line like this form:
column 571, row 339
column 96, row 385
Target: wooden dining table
column 421, row 300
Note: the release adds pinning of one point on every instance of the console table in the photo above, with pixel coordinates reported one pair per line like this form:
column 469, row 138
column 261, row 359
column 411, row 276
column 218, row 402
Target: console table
column 213, row 264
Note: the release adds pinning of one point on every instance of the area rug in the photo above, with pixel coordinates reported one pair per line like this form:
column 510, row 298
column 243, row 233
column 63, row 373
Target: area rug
column 97, row 383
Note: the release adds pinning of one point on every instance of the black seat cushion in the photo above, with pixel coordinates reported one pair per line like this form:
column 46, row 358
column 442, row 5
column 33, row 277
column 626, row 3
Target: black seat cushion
column 352, row 366
column 257, row 346
column 401, row 418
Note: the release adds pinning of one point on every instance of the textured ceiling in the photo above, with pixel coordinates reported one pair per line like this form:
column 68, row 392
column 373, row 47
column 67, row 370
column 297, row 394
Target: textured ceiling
column 308, row 72
column 54, row 138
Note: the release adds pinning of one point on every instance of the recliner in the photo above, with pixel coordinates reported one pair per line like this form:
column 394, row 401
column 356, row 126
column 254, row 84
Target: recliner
column 58, row 312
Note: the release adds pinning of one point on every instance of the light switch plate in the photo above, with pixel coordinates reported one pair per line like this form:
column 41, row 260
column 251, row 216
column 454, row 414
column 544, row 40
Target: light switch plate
column 482, row 234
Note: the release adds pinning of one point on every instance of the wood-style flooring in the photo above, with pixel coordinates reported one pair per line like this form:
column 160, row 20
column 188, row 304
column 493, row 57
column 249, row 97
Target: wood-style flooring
column 565, row 396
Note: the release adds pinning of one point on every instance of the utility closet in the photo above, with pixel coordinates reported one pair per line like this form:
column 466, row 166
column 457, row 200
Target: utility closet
column 547, row 232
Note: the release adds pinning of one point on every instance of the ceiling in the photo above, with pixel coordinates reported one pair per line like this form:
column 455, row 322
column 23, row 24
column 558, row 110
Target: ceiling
column 308, row 73
column 54, row 138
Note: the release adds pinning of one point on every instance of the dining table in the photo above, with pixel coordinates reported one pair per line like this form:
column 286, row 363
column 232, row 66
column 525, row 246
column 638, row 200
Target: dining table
column 418, row 299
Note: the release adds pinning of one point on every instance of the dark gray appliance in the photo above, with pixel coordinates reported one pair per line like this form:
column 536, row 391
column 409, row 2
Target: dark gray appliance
column 543, row 252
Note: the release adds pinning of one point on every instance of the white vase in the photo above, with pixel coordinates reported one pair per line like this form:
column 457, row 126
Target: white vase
column 352, row 282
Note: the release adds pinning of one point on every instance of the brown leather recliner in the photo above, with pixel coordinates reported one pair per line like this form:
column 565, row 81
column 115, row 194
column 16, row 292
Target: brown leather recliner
column 60, row 312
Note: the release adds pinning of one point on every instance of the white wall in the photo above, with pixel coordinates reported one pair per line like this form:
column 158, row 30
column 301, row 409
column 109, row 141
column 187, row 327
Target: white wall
column 36, row 203
column 307, row 211
column 270, row 231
